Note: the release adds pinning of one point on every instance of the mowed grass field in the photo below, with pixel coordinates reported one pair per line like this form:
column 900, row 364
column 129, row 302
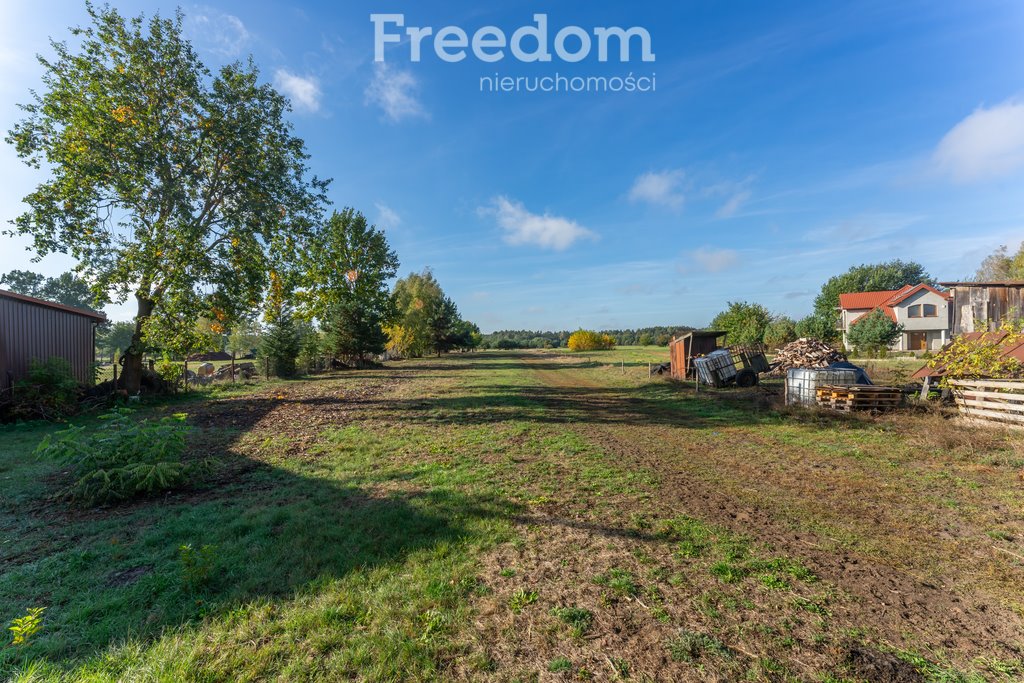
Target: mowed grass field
column 528, row 516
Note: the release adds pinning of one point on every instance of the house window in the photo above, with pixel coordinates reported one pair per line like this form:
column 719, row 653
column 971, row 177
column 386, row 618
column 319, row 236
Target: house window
column 930, row 311
column 914, row 311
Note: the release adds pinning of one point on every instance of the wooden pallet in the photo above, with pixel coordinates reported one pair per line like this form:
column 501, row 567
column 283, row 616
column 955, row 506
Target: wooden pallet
column 859, row 397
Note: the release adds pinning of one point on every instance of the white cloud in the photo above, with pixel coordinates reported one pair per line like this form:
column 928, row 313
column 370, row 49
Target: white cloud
column 988, row 143
column 661, row 188
column 714, row 260
column 220, row 33
column 866, row 228
column 543, row 230
column 303, row 92
column 387, row 217
column 394, row 91
column 733, row 204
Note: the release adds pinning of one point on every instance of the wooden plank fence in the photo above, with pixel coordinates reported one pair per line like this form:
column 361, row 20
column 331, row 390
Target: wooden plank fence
column 990, row 399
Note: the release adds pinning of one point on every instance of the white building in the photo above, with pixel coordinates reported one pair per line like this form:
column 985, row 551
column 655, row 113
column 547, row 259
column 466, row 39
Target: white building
column 923, row 311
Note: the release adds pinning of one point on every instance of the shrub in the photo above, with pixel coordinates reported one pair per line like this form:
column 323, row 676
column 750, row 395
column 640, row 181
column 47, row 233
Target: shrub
column 980, row 358
column 170, row 371
column 123, row 458
column 196, row 565
column 588, row 340
column 49, row 391
column 816, row 327
column 23, row 628
column 780, row 332
column 874, row 332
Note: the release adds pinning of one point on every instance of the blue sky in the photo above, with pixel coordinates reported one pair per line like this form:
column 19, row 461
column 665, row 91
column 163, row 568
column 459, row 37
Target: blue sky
column 783, row 143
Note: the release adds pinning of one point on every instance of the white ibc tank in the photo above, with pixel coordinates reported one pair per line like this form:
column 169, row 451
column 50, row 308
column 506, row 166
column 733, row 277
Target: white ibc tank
column 802, row 383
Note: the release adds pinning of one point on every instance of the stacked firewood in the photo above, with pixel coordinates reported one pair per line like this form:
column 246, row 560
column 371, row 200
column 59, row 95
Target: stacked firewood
column 804, row 353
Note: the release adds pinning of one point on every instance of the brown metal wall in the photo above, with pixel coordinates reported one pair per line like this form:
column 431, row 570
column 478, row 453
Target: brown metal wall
column 29, row 331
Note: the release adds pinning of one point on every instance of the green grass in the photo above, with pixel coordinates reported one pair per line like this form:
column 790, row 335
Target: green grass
column 559, row 664
column 364, row 556
column 358, row 547
column 324, row 559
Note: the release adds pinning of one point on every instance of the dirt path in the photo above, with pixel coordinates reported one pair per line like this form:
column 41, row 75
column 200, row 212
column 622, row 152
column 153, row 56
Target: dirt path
column 905, row 609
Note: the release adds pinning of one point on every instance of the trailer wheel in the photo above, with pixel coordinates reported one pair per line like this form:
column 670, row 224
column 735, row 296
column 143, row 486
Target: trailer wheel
column 746, row 378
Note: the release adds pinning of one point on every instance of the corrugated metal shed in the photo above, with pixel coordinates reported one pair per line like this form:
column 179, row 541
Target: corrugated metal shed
column 983, row 306
column 32, row 328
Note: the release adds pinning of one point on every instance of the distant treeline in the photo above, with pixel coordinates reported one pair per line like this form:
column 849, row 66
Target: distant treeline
column 531, row 339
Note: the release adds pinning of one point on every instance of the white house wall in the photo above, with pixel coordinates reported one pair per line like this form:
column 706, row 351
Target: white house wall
column 939, row 322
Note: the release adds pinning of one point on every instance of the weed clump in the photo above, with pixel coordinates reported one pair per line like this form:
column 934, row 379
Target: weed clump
column 578, row 619
column 690, row 646
column 521, row 598
column 692, row 536
column 618, row 580
column 559, row 664
column 196, row 565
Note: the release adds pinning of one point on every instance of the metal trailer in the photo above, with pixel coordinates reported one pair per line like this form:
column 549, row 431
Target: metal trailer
column 733, row 365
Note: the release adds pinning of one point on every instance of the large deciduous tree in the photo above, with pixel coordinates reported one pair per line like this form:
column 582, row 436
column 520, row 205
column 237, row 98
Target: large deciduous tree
column 1001, row 265
column 168, row 183
column 115, row 338
column 745, row 322
column 67, row 288
column 780, row 331
column 346, row 269
column 863, row 278
column 426, row 320
column 416, row 297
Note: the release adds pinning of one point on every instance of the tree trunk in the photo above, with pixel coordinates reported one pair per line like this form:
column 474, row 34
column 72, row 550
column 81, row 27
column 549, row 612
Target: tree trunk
column 131, row 374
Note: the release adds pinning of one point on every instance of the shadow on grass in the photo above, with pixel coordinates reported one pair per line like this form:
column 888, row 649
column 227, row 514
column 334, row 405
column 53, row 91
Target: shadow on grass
column 117, row 574
column 667, row 404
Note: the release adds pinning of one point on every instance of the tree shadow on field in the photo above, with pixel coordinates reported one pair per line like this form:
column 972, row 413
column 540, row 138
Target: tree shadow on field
column 571, row 398
column 118, row 573
column 659, row 404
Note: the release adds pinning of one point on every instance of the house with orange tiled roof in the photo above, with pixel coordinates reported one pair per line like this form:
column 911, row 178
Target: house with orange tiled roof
column 922, row 310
